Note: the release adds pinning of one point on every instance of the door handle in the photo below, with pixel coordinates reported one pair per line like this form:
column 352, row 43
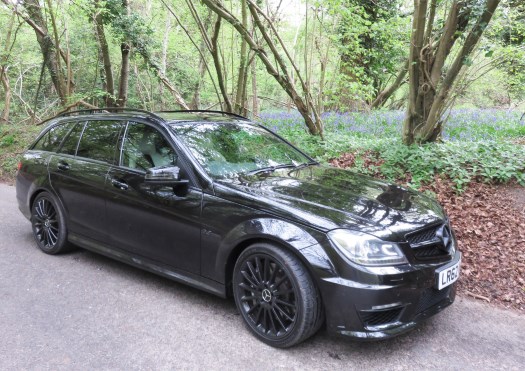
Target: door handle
column 63, row 166
column 120, row 185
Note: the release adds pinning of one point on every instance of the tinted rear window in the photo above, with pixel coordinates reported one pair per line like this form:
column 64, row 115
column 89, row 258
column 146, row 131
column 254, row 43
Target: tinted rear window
column 69, row 147
column 51, row 140
column 99, row 140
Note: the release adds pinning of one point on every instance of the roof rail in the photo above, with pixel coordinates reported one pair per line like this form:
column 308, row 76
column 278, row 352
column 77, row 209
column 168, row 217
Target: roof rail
column 109, row 110
column 207, row 111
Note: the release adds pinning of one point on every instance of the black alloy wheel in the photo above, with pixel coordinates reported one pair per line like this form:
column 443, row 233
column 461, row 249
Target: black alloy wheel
column 49, row 227
column 276, row 296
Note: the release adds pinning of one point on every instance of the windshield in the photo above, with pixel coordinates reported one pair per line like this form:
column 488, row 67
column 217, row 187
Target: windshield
column 227, row 149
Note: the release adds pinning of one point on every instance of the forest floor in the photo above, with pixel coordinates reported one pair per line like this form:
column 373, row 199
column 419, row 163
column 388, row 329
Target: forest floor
column 489, row 223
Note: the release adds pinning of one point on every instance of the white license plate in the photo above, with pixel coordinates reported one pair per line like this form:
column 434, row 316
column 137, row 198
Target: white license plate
column 447, row 276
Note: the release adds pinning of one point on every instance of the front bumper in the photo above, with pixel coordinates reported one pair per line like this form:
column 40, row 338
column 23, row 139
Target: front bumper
column 386, row 308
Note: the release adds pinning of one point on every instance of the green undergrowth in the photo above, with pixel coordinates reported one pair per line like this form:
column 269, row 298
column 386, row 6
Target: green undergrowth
column 14, row 139
column 461, row 161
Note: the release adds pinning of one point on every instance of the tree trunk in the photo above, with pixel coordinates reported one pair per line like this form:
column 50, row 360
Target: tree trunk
column 382, row 97
column 4, row 77
column 7, row 94
column 283, row 78
column 48, row 48
column 243, row 68
column 429, row 85
column 218, row 65
column 109, row 85
column 124, row 75
column 125, row 49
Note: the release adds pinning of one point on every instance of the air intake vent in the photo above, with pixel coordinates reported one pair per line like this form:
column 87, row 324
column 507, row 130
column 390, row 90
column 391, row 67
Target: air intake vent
column 380, row 317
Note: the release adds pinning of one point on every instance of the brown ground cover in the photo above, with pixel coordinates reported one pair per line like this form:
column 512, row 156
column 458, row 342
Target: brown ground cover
column 489, row 222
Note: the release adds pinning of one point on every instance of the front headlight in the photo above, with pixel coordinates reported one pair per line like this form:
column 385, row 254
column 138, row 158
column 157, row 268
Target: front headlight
column 365, row 249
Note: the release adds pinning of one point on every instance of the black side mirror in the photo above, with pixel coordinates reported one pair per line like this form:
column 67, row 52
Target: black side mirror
column 165, row 175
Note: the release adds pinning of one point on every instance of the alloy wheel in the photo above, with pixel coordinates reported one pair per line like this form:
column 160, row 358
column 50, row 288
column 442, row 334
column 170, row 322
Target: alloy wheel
column 267, row 296
column 45, row 223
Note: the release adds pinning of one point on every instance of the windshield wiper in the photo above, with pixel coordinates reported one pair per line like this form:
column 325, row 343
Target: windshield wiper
column 270, row 169
column 305, row 164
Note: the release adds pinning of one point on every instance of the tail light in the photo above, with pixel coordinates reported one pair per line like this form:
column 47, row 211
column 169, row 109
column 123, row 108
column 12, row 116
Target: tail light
column 19, row 166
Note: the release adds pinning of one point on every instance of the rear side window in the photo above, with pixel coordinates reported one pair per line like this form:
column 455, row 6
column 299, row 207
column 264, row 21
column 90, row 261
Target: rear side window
column 51, row 140
column 99, row 140
column 69, row 147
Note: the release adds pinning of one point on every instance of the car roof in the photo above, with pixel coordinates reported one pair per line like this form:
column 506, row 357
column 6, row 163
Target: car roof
column 170, row 117
column 174, row 117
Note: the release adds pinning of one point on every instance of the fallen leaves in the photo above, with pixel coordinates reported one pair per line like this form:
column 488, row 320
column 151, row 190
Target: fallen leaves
column 489, row 223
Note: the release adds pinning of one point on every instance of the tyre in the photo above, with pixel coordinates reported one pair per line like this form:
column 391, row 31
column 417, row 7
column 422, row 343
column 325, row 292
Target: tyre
column 276, row 296
column 49, row 225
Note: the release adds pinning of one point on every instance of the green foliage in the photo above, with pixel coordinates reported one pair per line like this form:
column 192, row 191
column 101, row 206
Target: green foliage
column 479, row 147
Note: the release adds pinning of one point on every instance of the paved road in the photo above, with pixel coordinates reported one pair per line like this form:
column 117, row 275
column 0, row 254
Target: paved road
column 82, row 311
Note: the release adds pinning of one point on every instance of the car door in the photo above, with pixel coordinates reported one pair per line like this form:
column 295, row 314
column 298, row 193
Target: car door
column 161, row 223
column 78, row 175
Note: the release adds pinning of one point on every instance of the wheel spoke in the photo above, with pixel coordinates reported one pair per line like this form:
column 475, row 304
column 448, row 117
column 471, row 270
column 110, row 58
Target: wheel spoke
column 272, row 323
column 285, row 303
column 264, row 321
column 52, row 236
column 247, row 278
column 39, row 210
column 253, row 309
column 258, row 269
column 278, row 319
column 274, row 273
column 266, row 269
column 281, row 281
column 258, row 316
column 248, row 298
column 252, row 272
column 286, row 315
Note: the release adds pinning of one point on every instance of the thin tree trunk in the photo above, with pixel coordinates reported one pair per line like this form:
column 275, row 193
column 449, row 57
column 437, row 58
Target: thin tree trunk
column 48, row 48
column 255, row 98
column 4, row 77
column 125, row 49
column 7, row 95
column 164, row 60
column 218, row 65
column 108, row 82
column 383, row 97
column 243, row 68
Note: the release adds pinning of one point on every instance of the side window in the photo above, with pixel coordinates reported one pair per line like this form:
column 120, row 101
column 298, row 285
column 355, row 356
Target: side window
column 69, row 147
column 51, row 140
column 99, row 140
column 145, row 147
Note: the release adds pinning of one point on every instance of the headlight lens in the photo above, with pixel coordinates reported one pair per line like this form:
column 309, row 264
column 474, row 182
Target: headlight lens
column 365, row 249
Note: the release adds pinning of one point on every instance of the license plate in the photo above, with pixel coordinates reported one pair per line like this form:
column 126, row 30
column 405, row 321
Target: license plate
column 447, row 276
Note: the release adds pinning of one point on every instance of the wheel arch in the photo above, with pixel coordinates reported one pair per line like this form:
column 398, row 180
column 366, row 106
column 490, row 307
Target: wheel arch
column 297, row 241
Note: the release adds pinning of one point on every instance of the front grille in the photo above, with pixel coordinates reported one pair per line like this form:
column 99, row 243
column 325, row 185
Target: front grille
column 429, row 243
column 432, row 297
column 430, row 251
column 425, row 235
column 380, row 317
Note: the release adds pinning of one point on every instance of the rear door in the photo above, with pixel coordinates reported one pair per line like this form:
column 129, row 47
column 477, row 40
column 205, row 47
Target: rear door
column 157, row 222
column 78, row 175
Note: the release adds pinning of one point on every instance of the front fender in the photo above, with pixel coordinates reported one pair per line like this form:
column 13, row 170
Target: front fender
column 304, row 241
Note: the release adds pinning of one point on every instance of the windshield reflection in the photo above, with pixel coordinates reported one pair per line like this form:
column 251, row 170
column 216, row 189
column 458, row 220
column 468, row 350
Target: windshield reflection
column 226, row 150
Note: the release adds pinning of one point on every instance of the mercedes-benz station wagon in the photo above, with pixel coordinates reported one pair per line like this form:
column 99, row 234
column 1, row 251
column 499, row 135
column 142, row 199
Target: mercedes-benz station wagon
column 223, row 204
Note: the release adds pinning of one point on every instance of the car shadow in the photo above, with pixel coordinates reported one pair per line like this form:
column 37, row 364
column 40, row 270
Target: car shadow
column 340, row 348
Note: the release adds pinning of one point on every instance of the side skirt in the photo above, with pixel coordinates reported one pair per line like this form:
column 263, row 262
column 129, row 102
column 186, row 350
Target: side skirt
column 138, row 261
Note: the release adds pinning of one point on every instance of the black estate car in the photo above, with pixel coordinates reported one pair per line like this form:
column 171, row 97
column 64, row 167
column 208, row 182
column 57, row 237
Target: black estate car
column 220, row 203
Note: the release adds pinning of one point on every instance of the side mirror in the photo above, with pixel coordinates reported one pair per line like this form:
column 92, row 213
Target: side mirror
column 165, row 175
